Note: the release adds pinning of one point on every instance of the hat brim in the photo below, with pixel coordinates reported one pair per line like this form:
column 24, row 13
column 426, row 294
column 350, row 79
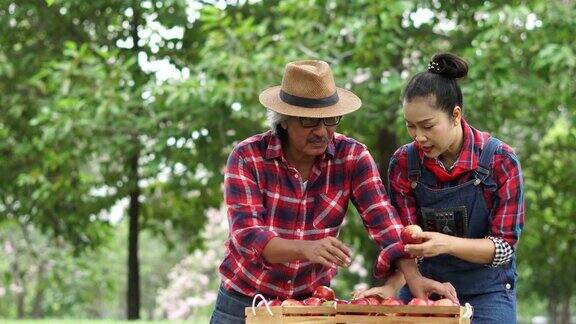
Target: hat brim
column 347, row 103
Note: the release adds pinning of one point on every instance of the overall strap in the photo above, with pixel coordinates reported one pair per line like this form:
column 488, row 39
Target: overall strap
column 413, row 164
column 486, row 158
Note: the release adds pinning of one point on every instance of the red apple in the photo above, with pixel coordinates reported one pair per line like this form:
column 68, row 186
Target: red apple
column 324, row 292
column 418, row 302
column 360, row 301
column 392, row 301
column 443, row 302
column 312, row 301
column 275, row 302
column 373, row 300
column 272, row 302
column 408, row 232
column 291, row 302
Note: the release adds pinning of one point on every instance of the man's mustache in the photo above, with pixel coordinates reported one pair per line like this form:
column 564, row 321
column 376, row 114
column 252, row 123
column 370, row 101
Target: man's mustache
column 319, row 140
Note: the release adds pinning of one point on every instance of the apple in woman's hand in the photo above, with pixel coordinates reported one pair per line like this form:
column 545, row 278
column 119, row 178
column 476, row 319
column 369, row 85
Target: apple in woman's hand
column 408, row 232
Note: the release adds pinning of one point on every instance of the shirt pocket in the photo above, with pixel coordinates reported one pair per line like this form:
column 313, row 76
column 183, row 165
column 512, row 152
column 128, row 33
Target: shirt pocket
column 330, row 209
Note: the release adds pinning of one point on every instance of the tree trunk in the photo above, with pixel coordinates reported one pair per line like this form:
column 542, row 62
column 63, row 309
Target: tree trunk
column 564, row 311
column 37, row 311
column 18, row 278
column 552, row 310
column 20, row 313
column 133, row 294
column 387, row 145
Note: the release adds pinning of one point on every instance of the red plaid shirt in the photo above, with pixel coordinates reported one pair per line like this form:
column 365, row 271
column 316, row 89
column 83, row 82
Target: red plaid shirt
column 506, row 203
column 265, row 198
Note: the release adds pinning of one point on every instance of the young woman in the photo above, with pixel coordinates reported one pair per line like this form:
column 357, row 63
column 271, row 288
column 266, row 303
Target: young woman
column 464, row 188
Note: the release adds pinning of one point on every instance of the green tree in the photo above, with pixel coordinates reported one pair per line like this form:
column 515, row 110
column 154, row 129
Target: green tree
column 548, row 250
column 81, row 102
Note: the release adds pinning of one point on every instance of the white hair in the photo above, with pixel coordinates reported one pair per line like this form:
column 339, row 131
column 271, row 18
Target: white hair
column 274, row 120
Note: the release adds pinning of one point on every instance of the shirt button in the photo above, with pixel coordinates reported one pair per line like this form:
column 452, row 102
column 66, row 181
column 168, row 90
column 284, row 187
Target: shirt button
column 508, row 286
column 289, row 281
column 296, row 176
column 298, row 230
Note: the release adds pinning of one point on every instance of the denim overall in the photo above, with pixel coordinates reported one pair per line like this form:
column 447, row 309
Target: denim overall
column 461, row 211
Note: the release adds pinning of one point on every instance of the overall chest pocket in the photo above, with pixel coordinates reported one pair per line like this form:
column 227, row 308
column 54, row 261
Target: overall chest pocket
column 451, row 221
column 330, row 209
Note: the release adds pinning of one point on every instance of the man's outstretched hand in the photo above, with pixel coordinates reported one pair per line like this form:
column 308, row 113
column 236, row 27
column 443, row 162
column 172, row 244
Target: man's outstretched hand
column 328, row 251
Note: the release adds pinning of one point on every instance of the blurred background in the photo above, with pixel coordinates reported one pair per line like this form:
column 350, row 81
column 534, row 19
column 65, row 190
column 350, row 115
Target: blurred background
column 116, row 119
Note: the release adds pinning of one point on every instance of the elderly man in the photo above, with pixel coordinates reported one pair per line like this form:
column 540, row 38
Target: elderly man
column 287, row 192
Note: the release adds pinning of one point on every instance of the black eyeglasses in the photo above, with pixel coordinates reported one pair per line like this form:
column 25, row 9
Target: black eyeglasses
column 308, row 122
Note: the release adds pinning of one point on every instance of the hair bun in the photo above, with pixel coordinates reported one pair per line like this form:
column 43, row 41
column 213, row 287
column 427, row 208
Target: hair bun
column 448, row 65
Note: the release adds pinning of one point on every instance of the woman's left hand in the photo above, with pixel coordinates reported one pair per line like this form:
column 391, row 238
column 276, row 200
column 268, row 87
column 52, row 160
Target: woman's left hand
column 422, row 287
column 434, row 243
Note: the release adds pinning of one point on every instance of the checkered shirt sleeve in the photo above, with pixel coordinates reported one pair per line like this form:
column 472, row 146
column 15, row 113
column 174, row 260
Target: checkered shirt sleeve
column 503, row 253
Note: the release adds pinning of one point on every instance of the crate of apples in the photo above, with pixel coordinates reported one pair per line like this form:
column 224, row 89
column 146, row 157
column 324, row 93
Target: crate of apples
column 393, row 310
column 318, row 308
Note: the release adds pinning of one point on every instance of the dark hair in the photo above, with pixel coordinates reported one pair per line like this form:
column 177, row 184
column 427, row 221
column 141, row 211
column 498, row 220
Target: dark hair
column 439, row 80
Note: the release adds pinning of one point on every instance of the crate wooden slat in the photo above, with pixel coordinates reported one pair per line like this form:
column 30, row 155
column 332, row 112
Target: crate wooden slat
column 358, row 319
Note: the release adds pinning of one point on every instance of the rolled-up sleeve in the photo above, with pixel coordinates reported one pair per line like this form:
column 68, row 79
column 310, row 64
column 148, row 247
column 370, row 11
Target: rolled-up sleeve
column 508, row 209
column 401, row 192
column 379, row 216
column 243, row 198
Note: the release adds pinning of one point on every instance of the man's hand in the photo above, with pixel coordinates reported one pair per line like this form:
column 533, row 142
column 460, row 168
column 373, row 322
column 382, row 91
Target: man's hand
column 328, row 251
column 393, row 283
column 434, row 244
column 382, row 291
column 422, row 288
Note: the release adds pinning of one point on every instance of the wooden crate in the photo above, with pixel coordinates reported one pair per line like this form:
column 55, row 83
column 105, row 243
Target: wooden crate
column 348, row 314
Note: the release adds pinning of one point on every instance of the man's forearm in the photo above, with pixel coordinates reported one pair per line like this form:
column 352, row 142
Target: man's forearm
column 408, row 268
column 279, row 250
column 396, row 280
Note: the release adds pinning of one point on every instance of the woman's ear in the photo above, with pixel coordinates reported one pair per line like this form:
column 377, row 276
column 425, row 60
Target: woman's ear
column 457, row 115
column 284, row 125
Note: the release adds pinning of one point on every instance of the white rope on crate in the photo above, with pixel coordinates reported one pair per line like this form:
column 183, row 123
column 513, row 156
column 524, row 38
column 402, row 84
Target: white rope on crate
column 265, row 303
column 469, row 311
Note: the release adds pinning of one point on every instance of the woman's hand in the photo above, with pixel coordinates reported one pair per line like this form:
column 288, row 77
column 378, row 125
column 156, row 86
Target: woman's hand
column 382, row 291
column 434, row 243
column 422, row 287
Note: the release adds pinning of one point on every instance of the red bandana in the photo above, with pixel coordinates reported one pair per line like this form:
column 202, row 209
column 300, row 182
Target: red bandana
column 442, row 174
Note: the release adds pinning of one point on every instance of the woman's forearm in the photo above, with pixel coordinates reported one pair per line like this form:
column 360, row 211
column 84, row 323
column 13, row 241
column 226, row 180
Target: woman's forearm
column 479, row 251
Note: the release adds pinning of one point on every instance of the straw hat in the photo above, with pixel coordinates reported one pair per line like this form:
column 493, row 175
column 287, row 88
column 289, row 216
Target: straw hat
column 308, row 90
